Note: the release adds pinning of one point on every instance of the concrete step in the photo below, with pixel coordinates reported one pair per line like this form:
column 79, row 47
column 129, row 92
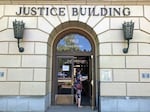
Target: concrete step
column 70, row 109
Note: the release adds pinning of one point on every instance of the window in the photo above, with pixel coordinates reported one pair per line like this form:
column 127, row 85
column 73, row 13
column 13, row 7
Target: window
column 74, row 43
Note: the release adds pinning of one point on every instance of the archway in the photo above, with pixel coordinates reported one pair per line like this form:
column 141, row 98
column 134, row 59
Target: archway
column 60, row 32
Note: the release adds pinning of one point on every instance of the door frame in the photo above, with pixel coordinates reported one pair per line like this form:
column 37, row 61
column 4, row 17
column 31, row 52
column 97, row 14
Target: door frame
column 89, row 34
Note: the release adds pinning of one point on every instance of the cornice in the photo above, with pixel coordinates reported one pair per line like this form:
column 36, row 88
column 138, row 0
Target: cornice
column 75, row 2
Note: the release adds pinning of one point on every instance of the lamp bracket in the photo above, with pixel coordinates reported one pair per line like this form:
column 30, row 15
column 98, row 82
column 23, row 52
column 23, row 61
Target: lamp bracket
column 21, row 49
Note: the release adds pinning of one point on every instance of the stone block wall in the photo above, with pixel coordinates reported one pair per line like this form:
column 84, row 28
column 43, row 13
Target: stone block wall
column 29, row 73
column 24, row 83
column 125, row 72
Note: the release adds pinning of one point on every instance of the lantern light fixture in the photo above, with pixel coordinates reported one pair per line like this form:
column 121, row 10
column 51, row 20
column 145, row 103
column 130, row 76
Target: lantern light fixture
column 18, row 27
column 128, row 28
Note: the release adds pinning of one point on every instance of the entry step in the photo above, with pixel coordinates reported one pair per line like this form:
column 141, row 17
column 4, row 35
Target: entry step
column 70, row 109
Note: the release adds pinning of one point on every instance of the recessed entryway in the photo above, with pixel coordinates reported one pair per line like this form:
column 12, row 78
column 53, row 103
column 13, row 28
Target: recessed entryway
column 73, row 47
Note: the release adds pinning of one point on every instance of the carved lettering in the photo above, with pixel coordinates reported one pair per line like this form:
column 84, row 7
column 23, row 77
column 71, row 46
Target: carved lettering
column 81, row 11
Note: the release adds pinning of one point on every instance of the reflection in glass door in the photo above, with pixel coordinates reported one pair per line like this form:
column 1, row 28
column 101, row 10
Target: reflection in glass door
column 65, row 80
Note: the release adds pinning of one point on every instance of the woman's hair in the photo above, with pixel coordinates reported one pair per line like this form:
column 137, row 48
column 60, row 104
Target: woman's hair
column 78, row 70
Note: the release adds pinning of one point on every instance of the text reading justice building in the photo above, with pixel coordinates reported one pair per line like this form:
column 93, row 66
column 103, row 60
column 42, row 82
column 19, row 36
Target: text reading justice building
column 43, row 42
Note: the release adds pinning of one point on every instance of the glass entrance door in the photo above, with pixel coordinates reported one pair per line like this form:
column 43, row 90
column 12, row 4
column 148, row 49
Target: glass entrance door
column 65, row 79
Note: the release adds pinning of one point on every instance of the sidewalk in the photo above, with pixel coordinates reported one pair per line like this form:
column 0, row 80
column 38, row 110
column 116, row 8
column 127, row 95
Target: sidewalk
column 70, row 109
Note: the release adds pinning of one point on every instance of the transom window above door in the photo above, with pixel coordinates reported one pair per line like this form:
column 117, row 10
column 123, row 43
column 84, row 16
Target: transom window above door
column 74, row 43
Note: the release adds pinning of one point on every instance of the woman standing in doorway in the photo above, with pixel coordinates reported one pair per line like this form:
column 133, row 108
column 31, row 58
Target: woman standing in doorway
column 78, row 86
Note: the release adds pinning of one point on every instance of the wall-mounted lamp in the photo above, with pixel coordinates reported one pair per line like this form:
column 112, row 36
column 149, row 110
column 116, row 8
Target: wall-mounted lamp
column 128, row 28
column 18, row 27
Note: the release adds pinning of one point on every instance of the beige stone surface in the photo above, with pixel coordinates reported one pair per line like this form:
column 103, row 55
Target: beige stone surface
column 3, row 78
column 138, row 89
column 10, row 60
column 136, row 10
column 144, row 49
column 20, row 75
column 34, row 61
column 147, row 12
column 13, row 47
column 3, row 26
column 141, row 36
column 3, row 47
column 138, row 61
column 116, row 23
column 28, row 47
column 44, row 25
column 113, row 89
column 35, row 35
column 108, row 37
column 30, row 22
column 32, row 88
column 40, row 75
column 105, row 49
column 1, row 10
column 40, row 48
column 118, row 48
column 144, row 24
column 30, row 79
column 53, row 20
column 102, row 26
column 11, row 9
column 126, row 75
column 7, row 35
column 9, row 88
column 112, row 61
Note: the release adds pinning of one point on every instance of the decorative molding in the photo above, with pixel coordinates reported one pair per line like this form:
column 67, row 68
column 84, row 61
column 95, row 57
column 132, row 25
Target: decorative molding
column 104, row 2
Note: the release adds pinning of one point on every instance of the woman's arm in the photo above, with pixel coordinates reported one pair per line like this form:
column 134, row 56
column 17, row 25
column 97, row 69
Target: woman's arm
column 83, row 78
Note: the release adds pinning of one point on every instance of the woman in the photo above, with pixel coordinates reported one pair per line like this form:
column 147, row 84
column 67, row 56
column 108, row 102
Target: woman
column 78, row 86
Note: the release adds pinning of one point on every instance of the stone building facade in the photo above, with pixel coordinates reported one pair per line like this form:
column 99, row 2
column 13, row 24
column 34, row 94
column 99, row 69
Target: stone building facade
column 27, row 79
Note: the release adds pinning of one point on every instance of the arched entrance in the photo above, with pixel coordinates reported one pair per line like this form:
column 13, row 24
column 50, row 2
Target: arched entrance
column 74, row 47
